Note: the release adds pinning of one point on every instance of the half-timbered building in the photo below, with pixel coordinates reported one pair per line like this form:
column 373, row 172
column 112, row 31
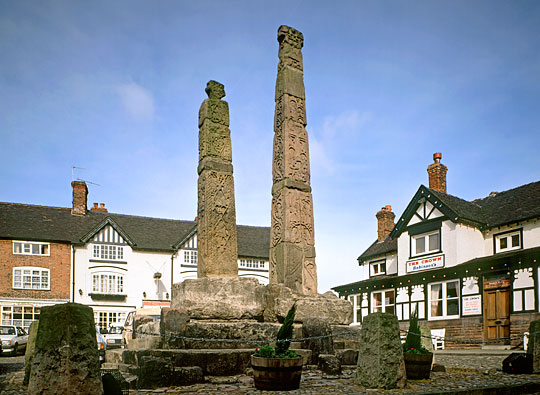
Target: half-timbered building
column 468, row 267
column 113, row 263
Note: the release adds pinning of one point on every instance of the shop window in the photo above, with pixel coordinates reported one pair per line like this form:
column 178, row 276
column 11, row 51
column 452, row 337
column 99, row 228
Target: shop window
column 383, row 302
column 30, row 248
column 508, row 241
column 104, row 319
column 426, row 243
column 377, row 268
column 27, row 277
column 443, row 300
column 21, row 316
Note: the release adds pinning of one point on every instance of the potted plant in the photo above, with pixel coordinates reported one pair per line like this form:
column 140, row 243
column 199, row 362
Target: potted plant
column 278, row 368
column 417, row 358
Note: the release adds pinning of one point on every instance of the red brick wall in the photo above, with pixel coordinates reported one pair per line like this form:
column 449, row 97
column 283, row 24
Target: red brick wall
column 472, row 328
column 59, row 264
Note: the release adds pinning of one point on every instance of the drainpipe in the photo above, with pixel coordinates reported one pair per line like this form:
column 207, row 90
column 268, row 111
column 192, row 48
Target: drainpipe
column 73, row 274
column 172, row 276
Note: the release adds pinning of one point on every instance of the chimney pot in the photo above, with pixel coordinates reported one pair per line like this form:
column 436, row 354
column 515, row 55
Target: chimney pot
column 102, row 205
column 95, row 205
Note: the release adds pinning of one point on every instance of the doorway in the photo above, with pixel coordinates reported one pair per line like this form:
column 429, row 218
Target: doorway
column 497, row 312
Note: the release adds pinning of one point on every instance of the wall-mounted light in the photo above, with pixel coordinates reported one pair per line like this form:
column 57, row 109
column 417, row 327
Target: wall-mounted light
column 144, row 294
column 167, row 296
column 80, row 292
column 157, row 275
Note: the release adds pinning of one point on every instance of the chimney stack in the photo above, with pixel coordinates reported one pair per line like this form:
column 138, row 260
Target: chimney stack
column 101, row 209
column 80, row 198
column 437, row 174
column 385, row 222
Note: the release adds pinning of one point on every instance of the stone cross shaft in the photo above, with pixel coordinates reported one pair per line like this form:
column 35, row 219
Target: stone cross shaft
column 292, row 240
column 216, row 233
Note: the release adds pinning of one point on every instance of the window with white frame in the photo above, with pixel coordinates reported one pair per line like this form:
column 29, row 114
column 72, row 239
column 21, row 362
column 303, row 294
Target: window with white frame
column 31, row 248
column 108, row 252
column 426, row 243
column 251, row 264
column 21, row 316
column 104, row 319
column 107, row 283
column 27, row 277
column 508, row 241
column 383, row 302
column 190, row 257
column 377, row 268
column 443, row 300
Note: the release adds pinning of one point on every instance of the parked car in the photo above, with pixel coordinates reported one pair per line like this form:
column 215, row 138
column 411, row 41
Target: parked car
column 14, row 339
column 101, row 344
column 114, row 336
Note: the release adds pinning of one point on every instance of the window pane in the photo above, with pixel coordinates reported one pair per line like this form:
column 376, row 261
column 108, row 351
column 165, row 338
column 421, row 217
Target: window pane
column 389, row 297
column 452, row 289
column 17, row 248
column 436, row 291
column 420, row 245
column 434, row 242
column 452, row 307
column 389, row 309
column 383, row 267
column 35, row 249
column 45, row 249
column 377, row 299
column 436, row 309
column 515, row 241
column 502, row 243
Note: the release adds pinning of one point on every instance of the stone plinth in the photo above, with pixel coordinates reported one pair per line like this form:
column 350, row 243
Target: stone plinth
column 533, row 347
column 239, row 298
column 380, row 357
column 66, row 359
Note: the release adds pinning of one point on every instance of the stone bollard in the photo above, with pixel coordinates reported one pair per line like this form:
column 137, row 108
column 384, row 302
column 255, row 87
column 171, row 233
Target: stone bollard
column 533, row 347
column 380, row 357
column 29, row 354
column 66, row 359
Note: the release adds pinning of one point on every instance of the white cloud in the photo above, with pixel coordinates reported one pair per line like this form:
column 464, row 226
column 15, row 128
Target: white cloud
column 334, row 132
column 136, row 100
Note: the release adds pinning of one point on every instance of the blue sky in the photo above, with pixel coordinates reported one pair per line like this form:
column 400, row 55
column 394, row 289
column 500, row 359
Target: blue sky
column 115, row 88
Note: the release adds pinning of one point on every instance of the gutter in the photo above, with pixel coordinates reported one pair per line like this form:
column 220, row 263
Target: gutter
column 73, row 274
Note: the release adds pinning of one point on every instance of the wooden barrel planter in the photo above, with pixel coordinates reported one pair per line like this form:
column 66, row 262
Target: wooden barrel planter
column 277, row 374
column 418, row 366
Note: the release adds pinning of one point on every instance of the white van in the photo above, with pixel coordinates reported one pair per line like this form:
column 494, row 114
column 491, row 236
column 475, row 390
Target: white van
column 127, row 333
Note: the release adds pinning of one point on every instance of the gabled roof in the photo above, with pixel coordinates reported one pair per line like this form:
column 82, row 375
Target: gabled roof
column 56, row 224
column 515, row 205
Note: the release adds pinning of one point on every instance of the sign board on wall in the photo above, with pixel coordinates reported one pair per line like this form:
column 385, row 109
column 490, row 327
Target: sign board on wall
column 425, row 263
column 472, row 305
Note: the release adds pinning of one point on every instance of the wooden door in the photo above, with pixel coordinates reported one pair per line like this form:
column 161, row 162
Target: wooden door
column 497, row 315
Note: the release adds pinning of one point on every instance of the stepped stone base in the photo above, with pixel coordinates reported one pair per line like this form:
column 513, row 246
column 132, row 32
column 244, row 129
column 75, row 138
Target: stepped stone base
column 238, row 298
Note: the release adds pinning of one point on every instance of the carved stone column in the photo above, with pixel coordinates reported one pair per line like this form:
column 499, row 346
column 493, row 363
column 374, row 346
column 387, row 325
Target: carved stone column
column 292, row 240
column 217, row 238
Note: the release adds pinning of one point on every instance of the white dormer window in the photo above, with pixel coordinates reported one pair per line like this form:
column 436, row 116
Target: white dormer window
column 508, row 241
column 377, row 268
column 108, row 252
column 426, row 243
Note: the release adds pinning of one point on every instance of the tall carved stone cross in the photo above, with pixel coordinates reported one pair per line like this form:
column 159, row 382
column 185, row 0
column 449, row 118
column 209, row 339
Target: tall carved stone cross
column 292, row 240
column 216, row 233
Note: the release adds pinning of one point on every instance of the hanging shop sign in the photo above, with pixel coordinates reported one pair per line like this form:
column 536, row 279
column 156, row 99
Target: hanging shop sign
column 432, row 262
column 472, row 305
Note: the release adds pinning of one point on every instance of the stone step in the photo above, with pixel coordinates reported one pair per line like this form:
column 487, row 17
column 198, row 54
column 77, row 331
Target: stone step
column 122, row 367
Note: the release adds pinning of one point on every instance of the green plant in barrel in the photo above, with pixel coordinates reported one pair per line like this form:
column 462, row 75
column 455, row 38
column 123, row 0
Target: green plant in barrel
column 283, row 340
column 413, row 342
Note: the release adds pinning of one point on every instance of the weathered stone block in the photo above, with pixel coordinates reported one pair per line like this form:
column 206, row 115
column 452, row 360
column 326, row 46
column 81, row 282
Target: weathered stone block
column 227, row 298
column 173, row 322
column 214, row 110
column 29, row 353
column 347, row 356
column 380, row 361
column 154, row 372
column 187, row 375
column 329, row 364
column 66, row 357
column 534, row 345
column 315, row 327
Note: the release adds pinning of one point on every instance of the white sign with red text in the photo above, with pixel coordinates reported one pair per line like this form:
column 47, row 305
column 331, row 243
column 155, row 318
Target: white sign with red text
column 425, row 263
column 472, row 305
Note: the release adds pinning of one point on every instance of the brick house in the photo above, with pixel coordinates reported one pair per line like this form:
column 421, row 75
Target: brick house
column 113, row 263
column 470, row 268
